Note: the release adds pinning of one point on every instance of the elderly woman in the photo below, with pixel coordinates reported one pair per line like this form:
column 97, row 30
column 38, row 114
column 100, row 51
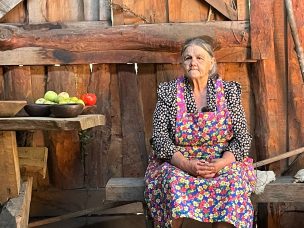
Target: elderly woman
column 200, row 167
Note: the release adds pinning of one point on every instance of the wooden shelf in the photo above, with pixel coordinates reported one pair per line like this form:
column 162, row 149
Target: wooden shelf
column 81, row 122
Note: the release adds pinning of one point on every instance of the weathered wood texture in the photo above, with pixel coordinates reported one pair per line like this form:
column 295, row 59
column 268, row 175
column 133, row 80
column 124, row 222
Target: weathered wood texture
column 133, row 144
column 159, row 43
column 9, row 181
column 125, row 189
column 14, row 12
column 295, row 91
column 281, row 190
column 267, row 100
column 243, row 9
column 96, row 145
column 15, row 213
column 33, row 160
column 6, row 6
column 224, row 8
column 79, row 123
column 261, row 25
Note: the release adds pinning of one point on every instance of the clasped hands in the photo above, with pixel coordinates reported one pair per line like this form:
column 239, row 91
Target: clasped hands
column 205, row 169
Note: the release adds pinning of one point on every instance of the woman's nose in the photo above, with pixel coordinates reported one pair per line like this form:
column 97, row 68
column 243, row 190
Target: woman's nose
column 193, row 62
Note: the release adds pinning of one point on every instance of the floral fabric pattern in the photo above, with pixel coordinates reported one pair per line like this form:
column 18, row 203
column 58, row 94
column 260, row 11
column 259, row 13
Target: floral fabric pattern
column 172, row 193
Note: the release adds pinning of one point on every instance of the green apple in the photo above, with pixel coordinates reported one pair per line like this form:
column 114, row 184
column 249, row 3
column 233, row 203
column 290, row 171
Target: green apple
column 63, row 101
column 40, row 101
column 50, row 96
column 49, row 102
column 79, row 101
column 62, row 95
column 74, row 99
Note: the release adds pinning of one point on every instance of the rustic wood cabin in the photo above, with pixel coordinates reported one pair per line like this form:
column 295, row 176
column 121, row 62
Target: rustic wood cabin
column 121, row 50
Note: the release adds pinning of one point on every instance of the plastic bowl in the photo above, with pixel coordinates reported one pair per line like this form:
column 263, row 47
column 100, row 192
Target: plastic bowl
column 66, row 110
column 38, row 109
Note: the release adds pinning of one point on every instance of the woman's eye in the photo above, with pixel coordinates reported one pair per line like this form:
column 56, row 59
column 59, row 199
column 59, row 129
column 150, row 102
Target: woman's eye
column 187, row 57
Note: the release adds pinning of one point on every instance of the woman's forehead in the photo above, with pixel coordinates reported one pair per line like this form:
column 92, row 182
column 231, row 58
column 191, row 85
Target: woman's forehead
column 195, row 50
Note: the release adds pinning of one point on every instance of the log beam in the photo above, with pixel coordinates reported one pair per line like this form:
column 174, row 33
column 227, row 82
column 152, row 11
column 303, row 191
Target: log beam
column 94, row 42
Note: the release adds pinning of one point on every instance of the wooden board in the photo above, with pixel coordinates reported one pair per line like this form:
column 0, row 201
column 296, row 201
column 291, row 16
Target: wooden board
column 224, row 8
column 133, row 145
column 7, row 5
column 81, row 122
column 9, row 166
column 261, row 28
column 282, row 190
column 15, row 213
column 243, row 9
column 138, row 12
column 33, row 160
column 187, row 10
column 148, row 98
column 125, row 189
column 97, row 151
column 160, row 43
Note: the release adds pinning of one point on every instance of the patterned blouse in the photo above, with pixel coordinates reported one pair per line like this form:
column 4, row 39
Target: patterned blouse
column 163, row 138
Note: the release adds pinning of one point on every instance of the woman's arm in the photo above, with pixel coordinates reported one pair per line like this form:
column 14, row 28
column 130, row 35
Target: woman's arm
column 240, row 143
column 162, row 144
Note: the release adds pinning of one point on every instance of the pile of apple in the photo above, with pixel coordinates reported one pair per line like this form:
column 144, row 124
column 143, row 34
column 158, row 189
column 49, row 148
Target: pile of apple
column 51, row 97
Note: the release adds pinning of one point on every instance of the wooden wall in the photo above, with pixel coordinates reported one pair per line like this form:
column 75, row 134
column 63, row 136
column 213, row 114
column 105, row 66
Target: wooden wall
column 79, row 165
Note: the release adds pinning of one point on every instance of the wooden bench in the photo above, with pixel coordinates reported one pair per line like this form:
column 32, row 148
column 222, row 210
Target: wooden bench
column 281, row 190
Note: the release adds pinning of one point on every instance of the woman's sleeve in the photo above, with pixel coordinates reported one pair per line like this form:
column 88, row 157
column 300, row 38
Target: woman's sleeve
column 240, row 143
column 162, row 144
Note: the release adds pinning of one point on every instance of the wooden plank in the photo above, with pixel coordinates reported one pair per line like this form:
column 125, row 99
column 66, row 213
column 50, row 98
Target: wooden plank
column 81, row 122
column 133, row 145
column 9, row 166
column 33, row 160
column 224, row 8
column 16, row 15
column 125, row 189
column 138, row 12
column 115, row 149
column 96, row 163
column 17, row 83
column 104, row 11
column 7, row 5
column 160, row 43
column 180, row 11
column 282, row 190
column 168, row 72
column 63, row 10
column 1, row 84
column 91, row 10
column 242, row 10
column 295, row 91
column 15, row 213
column 65, row 159
column 261, row 28
column 147, row 92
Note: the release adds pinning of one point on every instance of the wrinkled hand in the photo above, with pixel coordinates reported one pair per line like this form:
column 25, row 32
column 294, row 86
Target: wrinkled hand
column 200, row 168
column 210, row 169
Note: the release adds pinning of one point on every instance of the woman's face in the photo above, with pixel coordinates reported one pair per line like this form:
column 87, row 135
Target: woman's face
column 197, row 62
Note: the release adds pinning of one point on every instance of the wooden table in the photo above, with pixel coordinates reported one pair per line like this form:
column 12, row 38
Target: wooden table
column 14, row 193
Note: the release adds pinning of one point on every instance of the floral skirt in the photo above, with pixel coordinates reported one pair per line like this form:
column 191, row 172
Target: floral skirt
column 171, row 193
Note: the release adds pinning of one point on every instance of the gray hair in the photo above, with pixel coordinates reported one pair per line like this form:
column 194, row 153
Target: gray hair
column 207, row 44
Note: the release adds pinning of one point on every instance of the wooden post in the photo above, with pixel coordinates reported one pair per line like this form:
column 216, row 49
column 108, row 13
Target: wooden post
column 15, row 213
column 9, row 166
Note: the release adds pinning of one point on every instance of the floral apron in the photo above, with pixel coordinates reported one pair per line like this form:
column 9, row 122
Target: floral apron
column 171, row 193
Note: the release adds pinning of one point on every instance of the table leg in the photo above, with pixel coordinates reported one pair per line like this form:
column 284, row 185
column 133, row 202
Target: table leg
column 9, row 166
